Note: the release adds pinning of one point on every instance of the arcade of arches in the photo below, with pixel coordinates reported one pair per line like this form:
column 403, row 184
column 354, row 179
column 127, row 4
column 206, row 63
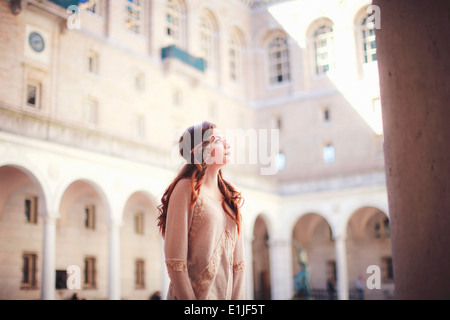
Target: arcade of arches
column 82, row 238
column 85, row 234
column 367, row 243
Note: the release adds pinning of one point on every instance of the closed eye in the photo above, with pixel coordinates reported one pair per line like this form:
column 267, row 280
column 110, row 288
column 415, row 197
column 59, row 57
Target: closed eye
column 218, row 139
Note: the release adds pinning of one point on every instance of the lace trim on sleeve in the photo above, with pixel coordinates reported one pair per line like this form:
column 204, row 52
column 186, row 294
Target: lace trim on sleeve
column 238, row 266
column 176, row 265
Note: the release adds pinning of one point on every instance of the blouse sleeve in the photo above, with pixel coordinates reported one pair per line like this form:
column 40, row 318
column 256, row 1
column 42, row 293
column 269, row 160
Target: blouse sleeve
column 176, row 240
column 239, row 270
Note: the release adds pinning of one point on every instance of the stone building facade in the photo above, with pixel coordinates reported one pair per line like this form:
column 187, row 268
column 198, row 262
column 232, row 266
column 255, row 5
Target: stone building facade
column 92, row 102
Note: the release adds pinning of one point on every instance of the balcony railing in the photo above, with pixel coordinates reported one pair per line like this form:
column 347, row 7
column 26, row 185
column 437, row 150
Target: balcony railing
column 179, row 54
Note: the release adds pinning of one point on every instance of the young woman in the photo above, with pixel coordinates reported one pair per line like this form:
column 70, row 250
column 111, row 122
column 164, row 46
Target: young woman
column 200, row 220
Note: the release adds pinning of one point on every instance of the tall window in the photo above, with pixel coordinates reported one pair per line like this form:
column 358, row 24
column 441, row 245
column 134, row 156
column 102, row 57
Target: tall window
column 277, row 123
column 31, row 209
column 140, row 126
column 368, row 41
column 279, row 61
column 387, row 269
column 90, row 273
column 281, row 161
column 139, row 222
column 29, row 269
column 93, row 62
column 235, row 57
column 89, row 217
column 382, row 228
column 177, row 98
column 139, row 82
column 33, row 94
column 133, row 15
column 90, row 5
column 207, row 41
column 328, row 153
column 324, row 49
column 174, row 16
column 326, row 116
column 140, row 268
column 92, row 111
column 212, row 110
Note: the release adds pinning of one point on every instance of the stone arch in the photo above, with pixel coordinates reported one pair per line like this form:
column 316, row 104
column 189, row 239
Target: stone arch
column 312, row 41
column 358, row 220
column 140, row 247
column 15, row 175
column 94, row 185
column 342, row 226
column 311, row 28
column 359, row 12
column 179, row 9
column 242, row 37
column 368, row 243
column 312, row 244
column 265, row 36
column 261, row 259
column 208, row 25
column 82, row 236
column 23, row 203
column 364, row 37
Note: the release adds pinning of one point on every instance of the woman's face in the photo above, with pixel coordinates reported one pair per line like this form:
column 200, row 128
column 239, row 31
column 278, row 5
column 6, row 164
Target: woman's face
column 220, row 149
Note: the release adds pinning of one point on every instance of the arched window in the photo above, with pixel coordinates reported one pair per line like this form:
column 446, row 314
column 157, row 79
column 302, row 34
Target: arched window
column 93, row 6
column 134, row 16
column 174, row 23
column 324, row 48
column 235, row 56
column 207, row 41
column 279, row 61
column 369, row 47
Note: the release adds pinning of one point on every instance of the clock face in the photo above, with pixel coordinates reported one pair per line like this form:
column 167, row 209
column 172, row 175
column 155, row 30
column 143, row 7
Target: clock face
column 36, row 42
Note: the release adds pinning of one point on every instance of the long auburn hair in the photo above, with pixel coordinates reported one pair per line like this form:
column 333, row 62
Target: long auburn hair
column 194, row 170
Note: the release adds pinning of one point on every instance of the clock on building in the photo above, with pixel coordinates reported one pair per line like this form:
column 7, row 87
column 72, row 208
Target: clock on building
column 36, row 42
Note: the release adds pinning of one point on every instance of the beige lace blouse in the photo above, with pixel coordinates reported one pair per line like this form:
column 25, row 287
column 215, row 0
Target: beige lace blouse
column 204, row 254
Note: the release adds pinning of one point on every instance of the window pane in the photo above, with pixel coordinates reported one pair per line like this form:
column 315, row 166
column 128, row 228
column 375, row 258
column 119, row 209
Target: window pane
column 61, row 279
column 281, row 161
column 328, row 153
column 28, row 209
column 31, row 95
column 278, row 60
column 26, row 269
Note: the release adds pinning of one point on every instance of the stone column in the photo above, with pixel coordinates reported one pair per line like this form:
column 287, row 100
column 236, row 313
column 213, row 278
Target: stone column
column 341, row 267
column 281, row 278
column 48, row 259
column 114, row 261
column 413, row 59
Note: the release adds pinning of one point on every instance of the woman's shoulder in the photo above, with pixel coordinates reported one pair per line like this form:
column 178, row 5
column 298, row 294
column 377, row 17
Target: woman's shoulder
column 183, row 186
column 183, row 183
